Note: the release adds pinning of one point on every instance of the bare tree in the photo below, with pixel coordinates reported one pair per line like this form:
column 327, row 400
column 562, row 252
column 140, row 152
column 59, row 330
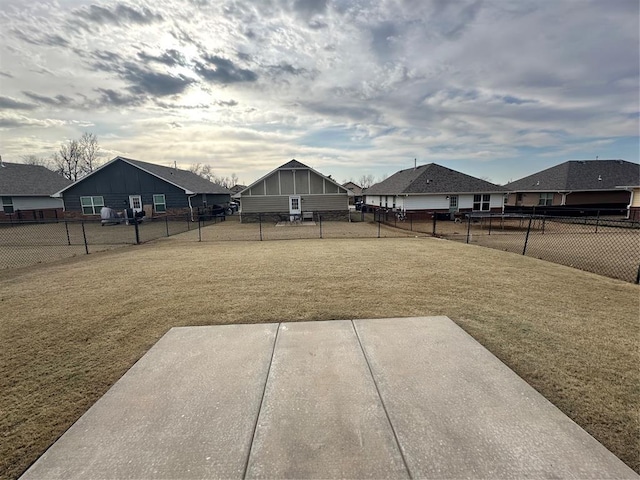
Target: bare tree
column 205, row 171
column 35, row 160
column 89, row 152
column 366, row 181
column 67, row 161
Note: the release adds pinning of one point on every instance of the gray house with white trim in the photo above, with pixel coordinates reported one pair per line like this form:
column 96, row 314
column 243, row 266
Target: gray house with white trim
column 433, row 188
column 25, row 192
column 294, row 191
column 577, row 184
column 142, row 186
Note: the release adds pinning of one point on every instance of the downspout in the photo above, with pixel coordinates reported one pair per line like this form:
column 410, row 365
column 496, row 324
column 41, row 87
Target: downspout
column 190, row 207
column 631, row 190
column 563, row 201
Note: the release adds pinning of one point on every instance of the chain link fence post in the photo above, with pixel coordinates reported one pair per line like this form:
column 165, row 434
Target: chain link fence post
column 66, row 227
column 489, row 223
column 260, row 223
column 166, row 223
column 526, row 238
column 468, row 227
column 434, row 220
column 200, row 229
column 84, row 236
column 597, row 220
column 320, row 218
column 135, row 226
column 379, row 222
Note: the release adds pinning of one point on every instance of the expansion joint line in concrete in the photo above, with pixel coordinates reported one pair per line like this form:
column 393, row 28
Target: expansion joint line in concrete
column 384, row 407
column 264, row 391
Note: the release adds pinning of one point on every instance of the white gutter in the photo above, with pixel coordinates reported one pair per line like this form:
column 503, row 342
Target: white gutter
column 190, row 207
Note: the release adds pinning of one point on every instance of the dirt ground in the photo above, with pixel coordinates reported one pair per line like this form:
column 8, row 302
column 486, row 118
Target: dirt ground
column 69, row 330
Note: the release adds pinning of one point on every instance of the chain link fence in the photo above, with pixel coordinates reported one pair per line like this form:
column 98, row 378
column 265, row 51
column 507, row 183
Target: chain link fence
column 604, row 245
column 27, row 243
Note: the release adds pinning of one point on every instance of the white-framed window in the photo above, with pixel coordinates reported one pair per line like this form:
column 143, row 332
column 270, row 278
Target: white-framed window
column 159, row 203
column 481, row 202
column 7, row 204
column 453, row 201
column 545, row 199
column 91, row 205
column 295, row 203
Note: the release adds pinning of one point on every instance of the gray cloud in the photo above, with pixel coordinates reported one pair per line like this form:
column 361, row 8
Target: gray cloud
column 4, row 74
column 12, row 104
column 117, row 99
column 146, row 82
column 382, row 38
column 141, row 81
column 58, row 100
column 289, row 69
column 308, row 8
column 170, row 58
column 224, row 71
column 52, row 40
column 119, row 14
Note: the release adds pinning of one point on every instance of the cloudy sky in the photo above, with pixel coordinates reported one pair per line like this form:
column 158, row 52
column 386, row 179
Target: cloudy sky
column 495, row 88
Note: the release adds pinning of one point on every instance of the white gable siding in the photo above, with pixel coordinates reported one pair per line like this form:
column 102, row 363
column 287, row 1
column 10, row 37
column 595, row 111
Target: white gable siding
column 36, row 203
column 427, row 202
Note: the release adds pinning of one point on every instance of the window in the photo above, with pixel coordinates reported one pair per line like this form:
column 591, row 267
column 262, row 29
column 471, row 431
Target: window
column 295, row 203
column 91, row 205
column 7, row 204
column 453, row 201
column 481, row 202
column 545, row 199
column 160, row 204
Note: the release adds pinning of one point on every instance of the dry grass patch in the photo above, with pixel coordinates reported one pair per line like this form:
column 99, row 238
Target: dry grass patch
column 70, row 330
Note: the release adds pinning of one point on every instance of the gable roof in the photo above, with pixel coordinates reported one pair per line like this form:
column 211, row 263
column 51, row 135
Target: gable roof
column 580, row 175
column 291, row 165
column 17, row 179
column 353, row 188
column 430, row 179
column 189, row 182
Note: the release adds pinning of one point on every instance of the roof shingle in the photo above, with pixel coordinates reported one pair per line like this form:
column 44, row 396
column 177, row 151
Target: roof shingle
column 580, row 175
column 183, row 178
column 17, row 179
column 431, row 179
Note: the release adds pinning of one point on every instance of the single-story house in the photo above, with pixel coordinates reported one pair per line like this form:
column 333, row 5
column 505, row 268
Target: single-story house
column 143, row 187
column 355, row 192
column 294, row 191
column 25, row 192
column 587, row 184
column 237, row 188
column 433, row 188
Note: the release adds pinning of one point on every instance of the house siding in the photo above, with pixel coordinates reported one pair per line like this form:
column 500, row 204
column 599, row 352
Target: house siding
column 32, row 208
column 264, row 203
column 598, row 198
column 280, row 204
column 119, row 180
column 36, row 203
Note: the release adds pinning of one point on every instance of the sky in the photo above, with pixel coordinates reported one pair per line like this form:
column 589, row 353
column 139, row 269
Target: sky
column 497, row 89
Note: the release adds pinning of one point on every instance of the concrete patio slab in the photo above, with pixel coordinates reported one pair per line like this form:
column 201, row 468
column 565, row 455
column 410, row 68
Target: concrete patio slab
column 322, row 416
column 187, row 409
column 459, row 412
column 392, row 398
